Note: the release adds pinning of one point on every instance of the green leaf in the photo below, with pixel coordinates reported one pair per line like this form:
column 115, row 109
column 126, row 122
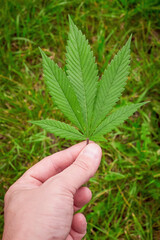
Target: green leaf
column 82, row 72
column 62, row 91
column 112, row 84
column 98, row 138
column 80, row 96
column 114, row 176
column 116, row 118
column 59, row 129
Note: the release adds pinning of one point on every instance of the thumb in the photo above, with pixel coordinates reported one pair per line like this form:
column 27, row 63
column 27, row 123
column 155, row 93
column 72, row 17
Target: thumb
column 83, row 168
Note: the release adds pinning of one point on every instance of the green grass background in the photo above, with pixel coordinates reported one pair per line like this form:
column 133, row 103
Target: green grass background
column 126, row 188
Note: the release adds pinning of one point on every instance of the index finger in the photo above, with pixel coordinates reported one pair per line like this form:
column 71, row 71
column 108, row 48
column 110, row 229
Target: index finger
column 55, row 163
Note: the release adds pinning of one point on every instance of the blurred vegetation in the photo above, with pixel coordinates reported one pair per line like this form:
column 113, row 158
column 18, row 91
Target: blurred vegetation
column 126, row 188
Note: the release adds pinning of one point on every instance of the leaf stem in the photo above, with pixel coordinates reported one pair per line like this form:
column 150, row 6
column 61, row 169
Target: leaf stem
column 87, row 141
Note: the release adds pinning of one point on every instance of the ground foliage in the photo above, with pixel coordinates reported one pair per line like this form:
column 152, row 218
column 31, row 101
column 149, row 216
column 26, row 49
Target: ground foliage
column 126, row 189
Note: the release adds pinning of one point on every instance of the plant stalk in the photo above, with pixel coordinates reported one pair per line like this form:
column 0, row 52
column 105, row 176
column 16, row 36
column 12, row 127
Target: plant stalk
column 87, row 141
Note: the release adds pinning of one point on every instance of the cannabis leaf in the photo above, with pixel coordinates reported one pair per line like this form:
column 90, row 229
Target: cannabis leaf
column 82, row 72
column 84, row 100
column 61, row 91
column 60, row 129
column 112, row 84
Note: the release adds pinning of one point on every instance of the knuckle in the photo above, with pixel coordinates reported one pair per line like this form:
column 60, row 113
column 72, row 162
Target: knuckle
column 6, row 196
column 10, row 193
column 85, row 164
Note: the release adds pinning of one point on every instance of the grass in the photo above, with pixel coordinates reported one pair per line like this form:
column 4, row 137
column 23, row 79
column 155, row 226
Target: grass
column 126, row 189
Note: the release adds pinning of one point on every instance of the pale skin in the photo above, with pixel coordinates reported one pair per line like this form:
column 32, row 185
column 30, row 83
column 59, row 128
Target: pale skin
column 41, row 205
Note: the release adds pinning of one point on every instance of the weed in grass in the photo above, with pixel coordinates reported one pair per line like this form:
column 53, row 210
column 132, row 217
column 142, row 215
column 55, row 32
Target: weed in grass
column 79, row 95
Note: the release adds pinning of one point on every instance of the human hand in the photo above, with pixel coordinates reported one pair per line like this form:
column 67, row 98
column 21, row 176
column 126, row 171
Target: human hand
column 41, row 204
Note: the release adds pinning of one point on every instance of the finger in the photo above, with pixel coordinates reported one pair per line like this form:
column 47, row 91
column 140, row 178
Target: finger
column 82, row 169
column 55, row 163
column 79, row 226
column 82, row 197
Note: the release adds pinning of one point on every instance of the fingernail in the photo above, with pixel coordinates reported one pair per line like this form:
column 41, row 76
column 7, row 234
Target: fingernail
column 92, row 150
